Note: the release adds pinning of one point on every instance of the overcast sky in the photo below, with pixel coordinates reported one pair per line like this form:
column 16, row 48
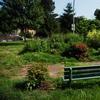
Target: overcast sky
column 82, row 7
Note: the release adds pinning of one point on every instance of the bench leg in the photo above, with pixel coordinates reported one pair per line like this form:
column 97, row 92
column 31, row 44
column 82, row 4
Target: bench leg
column 70, row 77
column 69, row 83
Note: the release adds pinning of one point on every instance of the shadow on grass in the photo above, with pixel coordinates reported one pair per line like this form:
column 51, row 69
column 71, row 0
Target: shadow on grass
column 79, row 85
column 11, row 43
column 21, row 85
column 65, row 85
column 25, row 50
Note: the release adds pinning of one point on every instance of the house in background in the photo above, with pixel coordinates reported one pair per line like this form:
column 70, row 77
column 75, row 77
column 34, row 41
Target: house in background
column 15, row 35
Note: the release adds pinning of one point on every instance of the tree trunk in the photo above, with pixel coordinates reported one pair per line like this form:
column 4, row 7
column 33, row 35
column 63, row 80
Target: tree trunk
column 24, row 35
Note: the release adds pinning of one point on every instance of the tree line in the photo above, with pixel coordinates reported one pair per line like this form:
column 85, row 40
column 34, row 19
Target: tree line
column 39, row 15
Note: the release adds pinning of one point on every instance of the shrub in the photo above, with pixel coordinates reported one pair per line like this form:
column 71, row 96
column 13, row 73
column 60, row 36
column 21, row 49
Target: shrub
column 60, row 83
column 36, row 74
column 46, row 85
column 53, row 45
column 82, row 26
column 73, row 38
column 78, row 50
column 95, row 52
column 98, row 51
column 93, row 39
column 57, row 44
column 37, row 45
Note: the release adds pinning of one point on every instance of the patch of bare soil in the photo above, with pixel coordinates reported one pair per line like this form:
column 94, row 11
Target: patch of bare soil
column 24, row 70
column 21, row 73
column 56, row 70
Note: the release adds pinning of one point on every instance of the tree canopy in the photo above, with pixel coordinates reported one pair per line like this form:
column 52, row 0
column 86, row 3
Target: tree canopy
column 97, row 14
column 23, row 13
column 50, row 22
column 66, row 19
column 39, row 15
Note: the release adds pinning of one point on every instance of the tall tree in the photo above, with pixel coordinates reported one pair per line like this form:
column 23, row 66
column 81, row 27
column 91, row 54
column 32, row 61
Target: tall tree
column 5, row 24
column 50, row 18
column 48, row 5
column 97, row 20
column 24, row 13
column 66, row 19
column 97, row 14
column 82, row 25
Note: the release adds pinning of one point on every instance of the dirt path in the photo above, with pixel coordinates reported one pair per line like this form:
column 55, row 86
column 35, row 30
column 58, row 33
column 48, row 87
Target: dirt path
column 55, row 70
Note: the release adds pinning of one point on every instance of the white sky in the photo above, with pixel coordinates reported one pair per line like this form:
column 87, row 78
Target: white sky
column 82, row 7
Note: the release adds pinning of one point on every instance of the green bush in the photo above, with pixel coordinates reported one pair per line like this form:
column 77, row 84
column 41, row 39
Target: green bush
column 47, row 85
column 77, row 50
column 36, row 74
column 60, row 84
column 73, row 38
column 53, row 45
column 37, row 45
column 93, row 39
column 98, row 51
column 57, row 44
column 94, row 54
column 82, row 26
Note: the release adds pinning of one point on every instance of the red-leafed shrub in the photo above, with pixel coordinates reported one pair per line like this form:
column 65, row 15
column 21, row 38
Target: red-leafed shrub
column 78, row 50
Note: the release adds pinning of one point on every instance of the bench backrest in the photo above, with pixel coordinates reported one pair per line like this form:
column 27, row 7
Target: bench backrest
column 77, row 73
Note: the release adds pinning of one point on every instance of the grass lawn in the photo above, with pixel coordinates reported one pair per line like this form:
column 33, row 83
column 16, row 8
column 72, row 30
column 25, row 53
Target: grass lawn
column 11, row 63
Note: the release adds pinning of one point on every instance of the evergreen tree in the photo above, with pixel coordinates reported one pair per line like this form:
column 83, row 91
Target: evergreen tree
column 51, row 23
column 66, row 19
column 97, row 14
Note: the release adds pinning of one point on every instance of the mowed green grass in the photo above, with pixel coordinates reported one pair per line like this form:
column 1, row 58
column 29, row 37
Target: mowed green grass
column 11, row 63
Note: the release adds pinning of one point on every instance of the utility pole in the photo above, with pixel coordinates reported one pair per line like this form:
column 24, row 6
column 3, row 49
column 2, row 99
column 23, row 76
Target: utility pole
column 73, row 24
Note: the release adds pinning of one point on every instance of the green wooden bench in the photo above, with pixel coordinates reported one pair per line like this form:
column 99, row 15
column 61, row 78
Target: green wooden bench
column 80, row 73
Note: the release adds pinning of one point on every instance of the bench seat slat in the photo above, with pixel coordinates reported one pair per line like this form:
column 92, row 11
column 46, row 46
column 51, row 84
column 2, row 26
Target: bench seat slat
column 85, row 78
column 89, row 67
column 81, row 68
column 84, row 71
column 85, row 75
column 66, row 76
column 82, row 75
